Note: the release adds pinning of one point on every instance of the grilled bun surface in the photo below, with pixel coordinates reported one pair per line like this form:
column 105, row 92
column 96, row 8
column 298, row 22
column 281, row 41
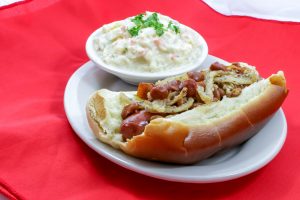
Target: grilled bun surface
column 185, row 132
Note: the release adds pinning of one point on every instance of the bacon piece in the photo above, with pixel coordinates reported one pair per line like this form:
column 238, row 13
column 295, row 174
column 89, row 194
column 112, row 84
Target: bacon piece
column 143, row 89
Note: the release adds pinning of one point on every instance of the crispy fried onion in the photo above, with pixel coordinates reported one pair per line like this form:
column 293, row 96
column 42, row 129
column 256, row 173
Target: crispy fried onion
column 174, row 98
column 159, row 106
column 181, row 77
column 204, row 97
column 167, row 105
column 236, row 79
column 230, row 80
column 209, row 86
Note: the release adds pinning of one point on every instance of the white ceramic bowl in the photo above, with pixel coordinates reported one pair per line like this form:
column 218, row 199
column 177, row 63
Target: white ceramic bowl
column 133, row 77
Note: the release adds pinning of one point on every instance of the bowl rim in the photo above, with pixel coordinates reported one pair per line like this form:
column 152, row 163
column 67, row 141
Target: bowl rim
column 92, row 54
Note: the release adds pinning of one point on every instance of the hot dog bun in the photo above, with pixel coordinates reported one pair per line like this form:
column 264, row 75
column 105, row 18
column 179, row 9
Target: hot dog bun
column 195, row 134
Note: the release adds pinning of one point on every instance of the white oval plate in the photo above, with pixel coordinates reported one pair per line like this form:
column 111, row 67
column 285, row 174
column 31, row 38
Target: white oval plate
column 226, row 165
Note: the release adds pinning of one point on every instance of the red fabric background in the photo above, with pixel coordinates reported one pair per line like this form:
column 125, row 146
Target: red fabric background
column 42, row 44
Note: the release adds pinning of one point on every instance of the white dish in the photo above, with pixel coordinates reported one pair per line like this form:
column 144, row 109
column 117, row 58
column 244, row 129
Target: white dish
column 226, row 165
column 133, row 77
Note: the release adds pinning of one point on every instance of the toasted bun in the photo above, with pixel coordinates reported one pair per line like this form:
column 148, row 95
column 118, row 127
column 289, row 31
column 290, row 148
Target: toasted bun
column 196, row 134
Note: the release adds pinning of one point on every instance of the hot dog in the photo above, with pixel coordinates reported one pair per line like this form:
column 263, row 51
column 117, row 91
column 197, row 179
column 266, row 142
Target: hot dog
column 187, row 118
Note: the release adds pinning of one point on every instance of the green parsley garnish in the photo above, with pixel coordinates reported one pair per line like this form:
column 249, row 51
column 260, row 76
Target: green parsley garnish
column 134, row 31
column 173, row 27
column 151, row 21
column 159, row 31
column 138, row 20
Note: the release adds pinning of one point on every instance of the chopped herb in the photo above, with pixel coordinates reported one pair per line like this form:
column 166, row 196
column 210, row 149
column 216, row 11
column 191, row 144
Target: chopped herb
column 138, row 20
column 159, row 31
column 151, row 21
column 173, row 27
column 134, row 31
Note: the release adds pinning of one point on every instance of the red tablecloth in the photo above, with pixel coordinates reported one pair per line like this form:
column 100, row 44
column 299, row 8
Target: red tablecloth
column 42, row 44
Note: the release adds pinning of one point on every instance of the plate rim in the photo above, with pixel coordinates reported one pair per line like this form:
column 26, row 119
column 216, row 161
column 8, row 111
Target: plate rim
column 83, row 69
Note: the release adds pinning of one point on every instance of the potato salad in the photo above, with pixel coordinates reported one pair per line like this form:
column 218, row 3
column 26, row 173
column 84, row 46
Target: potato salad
column 148, row 42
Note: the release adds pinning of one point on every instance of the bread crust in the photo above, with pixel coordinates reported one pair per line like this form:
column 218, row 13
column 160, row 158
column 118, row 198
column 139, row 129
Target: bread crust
column 95, row 109
column 170, row 141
